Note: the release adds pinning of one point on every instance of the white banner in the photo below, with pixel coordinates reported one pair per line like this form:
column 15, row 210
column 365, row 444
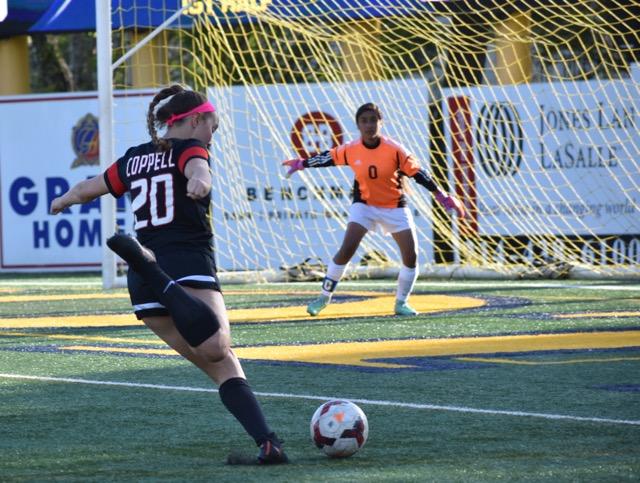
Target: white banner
column 553, row 158
column 49, row 143
column 306, row 215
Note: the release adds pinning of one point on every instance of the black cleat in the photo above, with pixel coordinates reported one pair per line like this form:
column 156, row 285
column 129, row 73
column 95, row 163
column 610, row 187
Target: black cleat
column 130, row 250
column 271, row 453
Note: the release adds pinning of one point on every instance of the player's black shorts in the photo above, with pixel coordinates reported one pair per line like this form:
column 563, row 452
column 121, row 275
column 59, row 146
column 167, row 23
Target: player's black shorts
column 190, row 268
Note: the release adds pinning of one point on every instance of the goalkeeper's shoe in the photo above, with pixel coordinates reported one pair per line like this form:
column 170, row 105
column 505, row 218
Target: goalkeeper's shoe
column 403, row 308
column 315, row 307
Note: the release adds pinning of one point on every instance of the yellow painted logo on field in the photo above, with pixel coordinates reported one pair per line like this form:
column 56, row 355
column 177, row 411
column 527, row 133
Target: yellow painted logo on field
column 373, row 304
column 386, row 354
column 378, row 354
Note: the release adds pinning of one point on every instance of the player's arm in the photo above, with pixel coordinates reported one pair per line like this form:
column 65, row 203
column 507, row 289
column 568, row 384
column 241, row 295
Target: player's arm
column 321, row 160
column 409, row 165
column 449, row 202
column 83, row 192
column 198, row 177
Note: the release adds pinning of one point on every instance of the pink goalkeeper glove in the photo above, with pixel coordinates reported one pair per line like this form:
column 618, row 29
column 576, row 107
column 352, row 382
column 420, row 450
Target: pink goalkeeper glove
column 294, row 165
column 451, row 203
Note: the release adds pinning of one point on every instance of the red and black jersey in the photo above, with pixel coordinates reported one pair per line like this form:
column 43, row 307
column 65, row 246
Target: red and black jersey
column 163, row 214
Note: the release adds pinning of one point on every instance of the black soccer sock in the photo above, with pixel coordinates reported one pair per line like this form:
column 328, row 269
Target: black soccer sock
column 139, row 258
column 194, row 319
column 238, row 398
column 155, row 277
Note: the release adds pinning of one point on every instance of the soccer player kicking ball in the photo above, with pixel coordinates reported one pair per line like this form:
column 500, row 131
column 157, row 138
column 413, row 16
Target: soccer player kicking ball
column 379, row 165
column 172, row 274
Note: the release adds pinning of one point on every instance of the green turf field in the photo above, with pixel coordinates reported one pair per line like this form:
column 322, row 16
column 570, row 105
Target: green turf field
column 509, row 381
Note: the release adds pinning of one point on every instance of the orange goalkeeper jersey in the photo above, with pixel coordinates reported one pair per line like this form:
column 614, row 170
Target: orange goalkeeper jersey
column 378, row 171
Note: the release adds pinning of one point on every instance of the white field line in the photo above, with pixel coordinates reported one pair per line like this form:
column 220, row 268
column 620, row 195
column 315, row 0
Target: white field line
column 513, row 284
column 372, row 402
column 50, row 283
column 381, row 283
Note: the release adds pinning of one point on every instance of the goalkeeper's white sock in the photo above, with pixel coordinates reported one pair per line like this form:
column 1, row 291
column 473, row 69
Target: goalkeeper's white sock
column 406, row 280
column 334, row 274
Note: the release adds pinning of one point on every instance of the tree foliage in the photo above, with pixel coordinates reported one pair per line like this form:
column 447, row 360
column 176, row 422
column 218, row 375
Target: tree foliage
column 63, row 62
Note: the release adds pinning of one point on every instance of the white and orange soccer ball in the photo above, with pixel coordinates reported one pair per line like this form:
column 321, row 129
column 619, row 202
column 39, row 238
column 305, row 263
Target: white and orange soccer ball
column 339, row 428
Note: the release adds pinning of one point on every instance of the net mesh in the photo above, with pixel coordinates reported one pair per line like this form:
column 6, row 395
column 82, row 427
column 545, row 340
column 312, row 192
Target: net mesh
column 527, row 111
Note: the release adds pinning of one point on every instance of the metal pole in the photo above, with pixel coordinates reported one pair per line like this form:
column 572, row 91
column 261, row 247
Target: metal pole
column 105, row 99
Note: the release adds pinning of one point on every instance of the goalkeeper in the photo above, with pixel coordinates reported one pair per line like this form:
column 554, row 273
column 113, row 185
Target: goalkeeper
column 379, row 165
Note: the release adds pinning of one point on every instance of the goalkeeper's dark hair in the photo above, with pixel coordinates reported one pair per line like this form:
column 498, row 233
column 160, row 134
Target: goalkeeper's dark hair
column 369, row 106
column 183, row 100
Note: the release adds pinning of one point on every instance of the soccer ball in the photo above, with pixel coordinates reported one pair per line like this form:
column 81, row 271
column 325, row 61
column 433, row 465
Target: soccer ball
column 339, row 428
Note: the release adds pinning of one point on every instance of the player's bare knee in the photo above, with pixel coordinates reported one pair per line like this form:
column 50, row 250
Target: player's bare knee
column 213, row 350
column 210, row 356
column 409, row 261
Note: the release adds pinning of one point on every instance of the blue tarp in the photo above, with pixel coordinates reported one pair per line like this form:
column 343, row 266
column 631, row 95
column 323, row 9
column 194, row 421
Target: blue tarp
column 51, row 16
column 22, row 14
column 79, row 15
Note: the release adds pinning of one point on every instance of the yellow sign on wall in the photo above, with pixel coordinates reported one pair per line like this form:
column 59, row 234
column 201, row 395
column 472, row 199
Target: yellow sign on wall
column 234, row 6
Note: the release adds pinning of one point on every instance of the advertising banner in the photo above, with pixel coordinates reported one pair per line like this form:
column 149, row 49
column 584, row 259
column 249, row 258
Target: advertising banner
column 48, row 143
column 306, row 215
column 568, row 162
column 554, row 160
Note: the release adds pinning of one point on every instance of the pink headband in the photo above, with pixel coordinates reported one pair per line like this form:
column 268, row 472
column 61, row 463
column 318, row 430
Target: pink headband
column 206, row 107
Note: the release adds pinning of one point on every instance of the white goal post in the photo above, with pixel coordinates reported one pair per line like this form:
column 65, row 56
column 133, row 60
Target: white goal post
column 105, row 100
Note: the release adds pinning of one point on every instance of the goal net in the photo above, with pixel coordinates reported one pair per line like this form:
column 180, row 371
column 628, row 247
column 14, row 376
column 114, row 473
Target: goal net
column 528, row 111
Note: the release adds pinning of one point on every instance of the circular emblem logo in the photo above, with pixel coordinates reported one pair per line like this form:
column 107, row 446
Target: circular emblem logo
column 314, row 133
column 499, row 139
column 84, row 140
